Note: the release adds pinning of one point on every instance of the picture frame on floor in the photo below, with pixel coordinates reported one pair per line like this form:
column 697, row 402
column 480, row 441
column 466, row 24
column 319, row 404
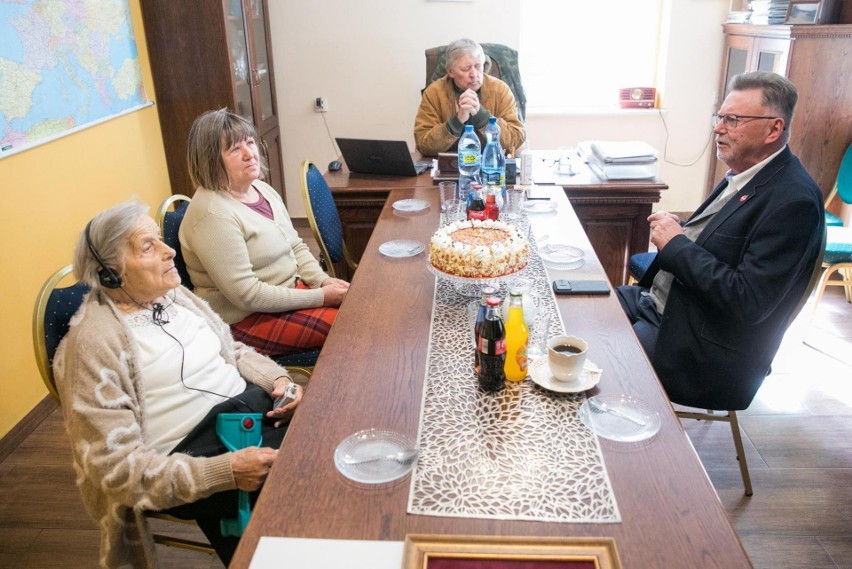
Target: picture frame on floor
column 423, row 551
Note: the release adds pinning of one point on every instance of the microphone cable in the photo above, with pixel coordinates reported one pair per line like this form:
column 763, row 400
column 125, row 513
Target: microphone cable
column 160, row 317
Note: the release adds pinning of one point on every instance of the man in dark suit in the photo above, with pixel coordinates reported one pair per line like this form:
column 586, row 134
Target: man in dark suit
column 713, row 307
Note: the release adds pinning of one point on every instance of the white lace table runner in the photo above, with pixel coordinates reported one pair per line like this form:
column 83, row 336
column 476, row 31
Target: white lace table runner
column 519, row 454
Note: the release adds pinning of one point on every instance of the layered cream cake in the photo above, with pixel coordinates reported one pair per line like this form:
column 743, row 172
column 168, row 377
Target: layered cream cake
column 479, row 249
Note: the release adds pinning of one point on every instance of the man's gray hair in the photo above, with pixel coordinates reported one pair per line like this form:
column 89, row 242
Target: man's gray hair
column 462, row 47
column 779, row 94
column 109, row 233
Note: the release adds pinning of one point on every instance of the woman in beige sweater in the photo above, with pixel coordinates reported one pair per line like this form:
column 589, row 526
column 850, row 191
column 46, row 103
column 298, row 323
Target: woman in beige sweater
column 241, row 251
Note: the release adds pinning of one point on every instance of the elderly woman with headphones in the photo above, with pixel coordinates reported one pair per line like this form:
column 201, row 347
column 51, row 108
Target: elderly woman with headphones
column 143, row 372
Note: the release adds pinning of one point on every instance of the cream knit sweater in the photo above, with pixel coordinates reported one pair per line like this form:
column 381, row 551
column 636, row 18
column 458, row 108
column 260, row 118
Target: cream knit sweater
column 241, row 262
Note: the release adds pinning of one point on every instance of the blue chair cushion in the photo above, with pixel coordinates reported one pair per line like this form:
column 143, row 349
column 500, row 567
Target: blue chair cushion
column 61, row 306
column 832, row 220
column 171, row 226
column 325, row 213
column 303, row 359
column 639, row 263
column 837, row 253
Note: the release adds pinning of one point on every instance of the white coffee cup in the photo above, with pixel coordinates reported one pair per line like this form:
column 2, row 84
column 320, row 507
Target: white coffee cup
column 566, row 356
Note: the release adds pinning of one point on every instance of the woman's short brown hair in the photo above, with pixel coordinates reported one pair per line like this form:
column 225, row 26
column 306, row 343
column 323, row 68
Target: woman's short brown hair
column 210, row 133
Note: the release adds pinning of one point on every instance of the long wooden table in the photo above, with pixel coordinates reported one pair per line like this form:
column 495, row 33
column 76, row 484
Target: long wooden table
column 371, row 374
column 612, row 212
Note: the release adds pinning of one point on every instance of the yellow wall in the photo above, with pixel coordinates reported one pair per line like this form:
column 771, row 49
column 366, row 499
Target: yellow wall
column 49, row 193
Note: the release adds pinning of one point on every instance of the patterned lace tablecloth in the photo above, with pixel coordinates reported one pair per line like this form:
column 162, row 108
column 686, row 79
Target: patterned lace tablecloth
column 518, row 454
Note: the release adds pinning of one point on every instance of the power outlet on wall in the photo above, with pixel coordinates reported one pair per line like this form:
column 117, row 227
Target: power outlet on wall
column 320, row 105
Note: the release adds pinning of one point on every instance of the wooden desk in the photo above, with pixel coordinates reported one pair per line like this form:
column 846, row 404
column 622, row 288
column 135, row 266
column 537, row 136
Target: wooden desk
column 612, row 212
column 371, row 374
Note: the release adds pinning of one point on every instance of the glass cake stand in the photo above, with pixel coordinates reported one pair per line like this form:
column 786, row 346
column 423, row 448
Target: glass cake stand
column 470, row 286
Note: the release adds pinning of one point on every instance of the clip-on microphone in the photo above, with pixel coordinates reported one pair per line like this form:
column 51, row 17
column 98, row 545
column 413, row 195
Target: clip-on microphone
column 237, row 431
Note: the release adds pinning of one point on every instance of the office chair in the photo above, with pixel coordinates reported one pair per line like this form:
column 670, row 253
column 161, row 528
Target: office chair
column 731, row 415
column 54, row 308
column 169, row 222
column 500, row 61
column 325, row 221
column 838, row 249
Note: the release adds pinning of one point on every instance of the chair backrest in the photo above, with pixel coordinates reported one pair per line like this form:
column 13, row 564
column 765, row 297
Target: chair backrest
column 501, row 61
column 169, row 222
column 54, row 308
column 323, row 217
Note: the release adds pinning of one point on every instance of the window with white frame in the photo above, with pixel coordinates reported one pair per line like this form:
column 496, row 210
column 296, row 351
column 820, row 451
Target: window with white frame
column 575, row 55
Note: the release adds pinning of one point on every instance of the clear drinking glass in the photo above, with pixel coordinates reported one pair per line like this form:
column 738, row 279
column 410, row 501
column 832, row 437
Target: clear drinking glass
column 539, row 334
column 447, row 191
column 454, row 210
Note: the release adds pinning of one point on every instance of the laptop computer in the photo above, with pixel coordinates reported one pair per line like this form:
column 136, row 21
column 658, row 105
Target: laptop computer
column 387, row 157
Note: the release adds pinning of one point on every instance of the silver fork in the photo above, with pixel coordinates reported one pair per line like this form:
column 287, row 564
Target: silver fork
column 604, row 408
column 404, row 457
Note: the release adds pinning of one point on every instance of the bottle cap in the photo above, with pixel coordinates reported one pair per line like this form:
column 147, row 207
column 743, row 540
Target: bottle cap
column 493, row 301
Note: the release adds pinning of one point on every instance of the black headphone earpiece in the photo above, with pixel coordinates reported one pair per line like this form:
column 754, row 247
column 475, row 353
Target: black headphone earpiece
column 107, row 276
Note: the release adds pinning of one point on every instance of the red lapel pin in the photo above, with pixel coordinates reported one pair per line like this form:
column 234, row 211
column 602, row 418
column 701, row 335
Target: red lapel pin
column 743, row 198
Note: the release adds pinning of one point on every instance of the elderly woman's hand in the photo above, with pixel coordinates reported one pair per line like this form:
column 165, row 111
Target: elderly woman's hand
column 251, row 465
column 284, row 412
column 333, row 291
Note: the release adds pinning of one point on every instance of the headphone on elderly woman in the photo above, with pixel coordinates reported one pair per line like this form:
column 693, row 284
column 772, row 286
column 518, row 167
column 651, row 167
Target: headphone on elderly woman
column 108, row 277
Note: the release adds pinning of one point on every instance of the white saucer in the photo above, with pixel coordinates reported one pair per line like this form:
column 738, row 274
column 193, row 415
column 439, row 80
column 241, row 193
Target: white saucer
column 410, row 205
column 539, row 371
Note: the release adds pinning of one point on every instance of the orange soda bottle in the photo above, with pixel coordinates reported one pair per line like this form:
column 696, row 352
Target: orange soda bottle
column 517, row 335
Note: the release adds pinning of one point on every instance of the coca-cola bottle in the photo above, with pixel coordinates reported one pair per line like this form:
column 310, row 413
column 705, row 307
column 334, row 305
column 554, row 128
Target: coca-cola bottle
column 476, row 204
column 487, row 292
column 491, row 349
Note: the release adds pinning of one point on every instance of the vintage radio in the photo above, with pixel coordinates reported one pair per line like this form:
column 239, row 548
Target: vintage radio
column 638, row 98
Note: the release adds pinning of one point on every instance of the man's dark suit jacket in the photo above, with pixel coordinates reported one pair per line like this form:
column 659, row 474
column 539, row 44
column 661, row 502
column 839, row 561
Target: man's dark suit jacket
column 736, row 287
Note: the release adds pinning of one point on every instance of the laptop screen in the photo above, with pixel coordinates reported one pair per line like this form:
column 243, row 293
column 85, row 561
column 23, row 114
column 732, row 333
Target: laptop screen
column 386, row 157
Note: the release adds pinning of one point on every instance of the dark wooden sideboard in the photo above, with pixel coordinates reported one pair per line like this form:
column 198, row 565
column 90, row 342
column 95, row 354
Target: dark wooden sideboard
column 612, row 212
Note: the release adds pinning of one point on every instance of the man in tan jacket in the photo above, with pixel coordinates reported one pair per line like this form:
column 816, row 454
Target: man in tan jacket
column 465, row 96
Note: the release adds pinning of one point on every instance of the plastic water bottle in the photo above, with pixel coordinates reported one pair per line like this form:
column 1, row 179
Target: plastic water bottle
column 494, row 163
column 470, row 157
column 492, row 130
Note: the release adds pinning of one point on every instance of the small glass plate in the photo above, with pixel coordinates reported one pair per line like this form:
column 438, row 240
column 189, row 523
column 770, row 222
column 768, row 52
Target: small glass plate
column 410, row 205
column 559, row 254
column 614, row 424
column 368, row 444
column 401, row 248
column 539, row 206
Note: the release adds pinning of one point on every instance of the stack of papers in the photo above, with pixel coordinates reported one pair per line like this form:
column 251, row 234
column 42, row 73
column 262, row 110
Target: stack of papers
column 622, row 160
column 630, row 152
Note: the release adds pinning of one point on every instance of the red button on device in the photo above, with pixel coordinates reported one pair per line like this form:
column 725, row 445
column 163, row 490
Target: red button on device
column 248, row 423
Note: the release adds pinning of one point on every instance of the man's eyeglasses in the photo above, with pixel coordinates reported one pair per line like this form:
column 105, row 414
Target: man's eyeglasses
column 732, row 121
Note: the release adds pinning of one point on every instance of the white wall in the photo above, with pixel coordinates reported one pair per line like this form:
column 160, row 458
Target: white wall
column 367, row 59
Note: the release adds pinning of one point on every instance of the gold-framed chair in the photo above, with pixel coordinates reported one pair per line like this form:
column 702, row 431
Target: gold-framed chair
column 169, row 222
column 54, row 307
column 325, row 221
